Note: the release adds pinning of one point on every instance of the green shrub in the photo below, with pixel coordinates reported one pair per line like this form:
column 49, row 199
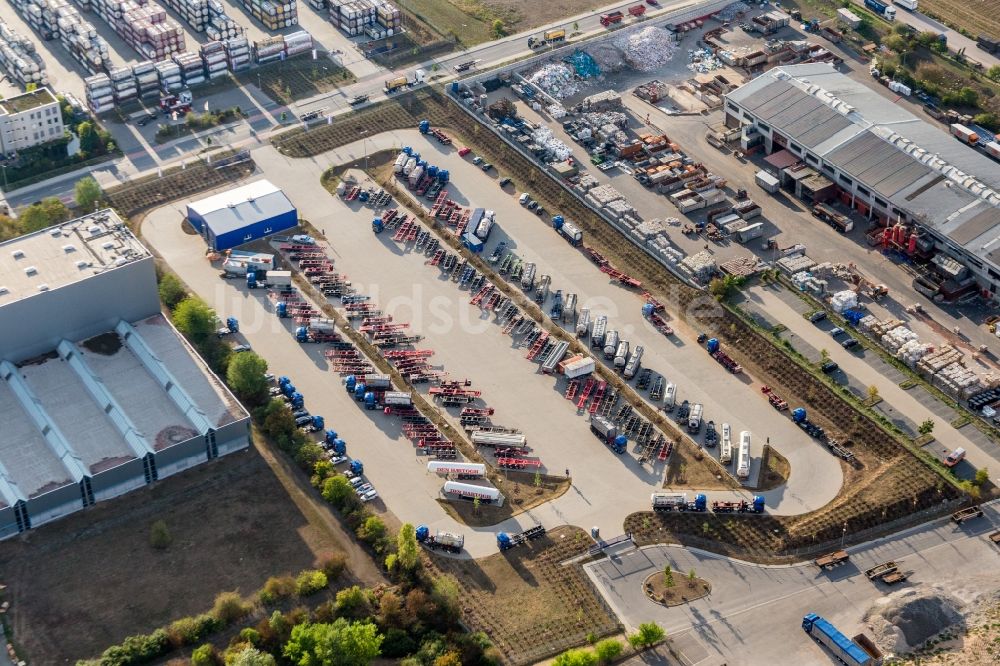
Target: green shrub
column 137, row 649
column 229, row 607
column 334, row 565
column 159, row 535
column 310, row 582
column 204, row 655
column 190, row 630
column 276, row 588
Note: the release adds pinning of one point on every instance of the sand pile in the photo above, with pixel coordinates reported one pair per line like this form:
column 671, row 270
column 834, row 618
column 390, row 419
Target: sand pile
column 905, row 620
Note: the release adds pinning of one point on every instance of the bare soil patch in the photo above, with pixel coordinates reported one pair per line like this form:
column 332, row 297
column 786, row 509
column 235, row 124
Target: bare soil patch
column 91, row 579
column 690, row 468
column 527, row 602
column 527, row 14
column 682, row 591
column 976, row 16
column 521, row 495
column 774, row 469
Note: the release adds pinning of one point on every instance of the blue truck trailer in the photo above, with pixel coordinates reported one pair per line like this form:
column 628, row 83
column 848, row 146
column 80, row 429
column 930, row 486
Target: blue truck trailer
column 843, row 648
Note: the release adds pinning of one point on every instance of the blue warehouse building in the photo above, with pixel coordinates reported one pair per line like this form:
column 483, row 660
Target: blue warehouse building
column 238, row 216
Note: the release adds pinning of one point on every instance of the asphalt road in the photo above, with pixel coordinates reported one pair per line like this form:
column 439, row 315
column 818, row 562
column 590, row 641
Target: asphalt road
column 753, row 613
column 956, row 40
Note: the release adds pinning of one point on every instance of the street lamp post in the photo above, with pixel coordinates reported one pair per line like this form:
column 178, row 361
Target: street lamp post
column 843, row 536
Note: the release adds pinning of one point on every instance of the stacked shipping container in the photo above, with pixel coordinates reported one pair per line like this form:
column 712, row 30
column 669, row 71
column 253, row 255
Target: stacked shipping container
column 375, row 18
column 274, row 15
column 57, row 19
column 206, row 16
column 144, row 25
column 19, row 58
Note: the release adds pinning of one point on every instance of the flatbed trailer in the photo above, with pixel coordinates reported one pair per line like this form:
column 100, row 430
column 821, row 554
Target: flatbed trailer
column 968, row 513
column 831, row 560
column 880, row 570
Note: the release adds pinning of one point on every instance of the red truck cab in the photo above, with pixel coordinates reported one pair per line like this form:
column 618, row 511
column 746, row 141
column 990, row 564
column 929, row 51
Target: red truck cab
column 611, row 18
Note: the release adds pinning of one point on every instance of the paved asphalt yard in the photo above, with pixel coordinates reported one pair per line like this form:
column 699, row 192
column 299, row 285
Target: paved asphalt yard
column 754, row 612
column 606, row 487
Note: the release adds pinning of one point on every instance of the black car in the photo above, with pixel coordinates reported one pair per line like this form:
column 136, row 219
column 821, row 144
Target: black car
column 504, row 182
column 149, row 117
column 829, row 367
column 487, row 166
column 817, row 316
column 849, row 343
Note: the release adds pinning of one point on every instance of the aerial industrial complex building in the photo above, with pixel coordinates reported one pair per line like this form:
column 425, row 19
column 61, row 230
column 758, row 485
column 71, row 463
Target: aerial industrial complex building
column 241, row 215
column 99, row 394
column 29, row 119
column 842, row 137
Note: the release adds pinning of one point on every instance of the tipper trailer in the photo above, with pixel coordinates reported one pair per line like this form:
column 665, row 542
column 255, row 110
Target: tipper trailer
column 843, row 648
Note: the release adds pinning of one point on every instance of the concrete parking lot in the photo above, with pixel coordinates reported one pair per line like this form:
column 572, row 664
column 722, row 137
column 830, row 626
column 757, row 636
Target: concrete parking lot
column 753, row 613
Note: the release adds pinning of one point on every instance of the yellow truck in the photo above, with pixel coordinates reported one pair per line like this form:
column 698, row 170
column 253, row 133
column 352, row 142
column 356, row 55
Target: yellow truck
column 548, row 37
column 398, row 83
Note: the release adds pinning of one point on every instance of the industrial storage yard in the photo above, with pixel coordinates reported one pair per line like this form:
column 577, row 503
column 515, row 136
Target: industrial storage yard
column 663, row 285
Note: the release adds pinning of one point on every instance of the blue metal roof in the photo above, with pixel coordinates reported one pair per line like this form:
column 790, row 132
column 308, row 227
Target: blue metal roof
column 236, row 209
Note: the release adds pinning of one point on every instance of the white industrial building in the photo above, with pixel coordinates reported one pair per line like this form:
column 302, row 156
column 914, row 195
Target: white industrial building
column 895, row 167
column 29, row 119
column 99, row 394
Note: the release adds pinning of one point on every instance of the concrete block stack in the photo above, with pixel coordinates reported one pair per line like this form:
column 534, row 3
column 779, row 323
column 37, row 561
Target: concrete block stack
column 123, row 84
column 933, row 362
column 649, row 229
column 912, row 351
column 893, row 340
column 701, row 266
column 958, row 381
column 99, row 93
column 661, row 246
column 868, row 322
column 622, row 210
column 298, row 42
column 169, row 74
column 144, row 25
column 793, row 264
column 146, row 80
column 192, row 67
column 20, row 59
column 238, row 53
column 880, row 328
column 273, row 15
column 213, row 59
column 602, row 195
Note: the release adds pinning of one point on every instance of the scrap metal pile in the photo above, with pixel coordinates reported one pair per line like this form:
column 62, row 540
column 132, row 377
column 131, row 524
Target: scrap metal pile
column 555, row 79
column 730, row 12
column 647, row 49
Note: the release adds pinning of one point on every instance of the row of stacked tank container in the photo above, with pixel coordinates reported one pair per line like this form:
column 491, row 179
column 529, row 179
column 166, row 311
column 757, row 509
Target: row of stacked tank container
column 208, row 16
column 143, row 25
column 280, row 47
column 19, row 58
column 375, row 18
column 272, row 14
column 58, row 19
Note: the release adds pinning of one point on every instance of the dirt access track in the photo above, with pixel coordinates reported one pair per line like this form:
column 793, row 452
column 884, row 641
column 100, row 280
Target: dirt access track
column 83, row 583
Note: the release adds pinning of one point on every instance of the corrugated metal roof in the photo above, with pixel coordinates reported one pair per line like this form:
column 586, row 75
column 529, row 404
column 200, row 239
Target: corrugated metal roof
column 976, row 226
column 235, row 209
column 878, row 164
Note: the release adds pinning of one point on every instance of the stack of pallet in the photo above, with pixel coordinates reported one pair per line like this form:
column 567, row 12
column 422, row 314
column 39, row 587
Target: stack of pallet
column 957, row 380
column 19, row 58
column 934, row 362
column 274, row 15
column 99, row 92
column 237, row 53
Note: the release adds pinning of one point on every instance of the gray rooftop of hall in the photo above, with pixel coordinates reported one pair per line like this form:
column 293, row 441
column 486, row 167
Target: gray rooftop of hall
column 64, row 254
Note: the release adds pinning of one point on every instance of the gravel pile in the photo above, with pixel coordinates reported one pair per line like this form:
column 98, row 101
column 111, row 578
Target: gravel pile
column 647, row 49
column 556, row 79
column 905, row 620
column 608, row 57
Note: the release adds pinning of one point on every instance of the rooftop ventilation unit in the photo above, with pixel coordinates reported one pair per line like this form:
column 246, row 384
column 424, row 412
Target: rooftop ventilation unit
column 55, row 233
column 4, row 290
column 69, row 248
column 81, row 264
column 17, row 254
column 43, row 287
column 94, row 230
column 30, row 270
column 108, row 245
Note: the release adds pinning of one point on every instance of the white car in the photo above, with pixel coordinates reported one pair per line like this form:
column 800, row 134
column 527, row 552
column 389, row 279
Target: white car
column 357, row 482
column 241, row 348
column 337, row 460
column 369, row 496
column 364, row 488
column 523, row 199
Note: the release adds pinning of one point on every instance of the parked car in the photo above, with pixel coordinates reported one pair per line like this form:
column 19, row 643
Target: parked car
column 299, row 413
column 540, row 211
column 819, row 315
column 462, row 152
column 369, row 496
column 849, row 343
column 487, row 166
column 532, row 205
column 337, row 460
column 504, row 182
column 357, row 482
column 834, row 332
column 523, row 199
column 829, row 367
column 477, row 160
column 241, row 348
column 364, row 488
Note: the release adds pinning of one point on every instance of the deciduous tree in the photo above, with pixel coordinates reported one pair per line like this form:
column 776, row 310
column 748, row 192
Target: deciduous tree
column 87, row 193
column 245, row 375
column 342, row 643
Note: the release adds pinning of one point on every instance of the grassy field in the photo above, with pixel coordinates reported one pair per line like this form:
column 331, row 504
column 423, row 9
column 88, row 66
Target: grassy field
column 529, row 604
column 974, row 16
column 88, row 580
column 297, row 78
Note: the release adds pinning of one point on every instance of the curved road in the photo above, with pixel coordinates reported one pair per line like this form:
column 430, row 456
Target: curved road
column 602, row 494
